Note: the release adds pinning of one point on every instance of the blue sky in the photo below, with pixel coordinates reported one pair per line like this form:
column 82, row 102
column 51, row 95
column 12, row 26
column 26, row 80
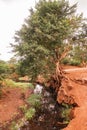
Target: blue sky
column 12, row 15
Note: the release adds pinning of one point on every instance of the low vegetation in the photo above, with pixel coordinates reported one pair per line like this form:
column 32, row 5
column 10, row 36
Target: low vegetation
column 28, row 110
column 65, row 112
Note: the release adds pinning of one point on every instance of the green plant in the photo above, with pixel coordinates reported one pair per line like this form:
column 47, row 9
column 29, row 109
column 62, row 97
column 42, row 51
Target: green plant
column 34, row 100
column 74, row 62
column 23, row 108
column 31, row 86
column 9, row 83
column 30, row 113
column 65, row 112
column 0, row 93
column 14, row 126
column 56, row 22
column 65, row 61
column 0, row 88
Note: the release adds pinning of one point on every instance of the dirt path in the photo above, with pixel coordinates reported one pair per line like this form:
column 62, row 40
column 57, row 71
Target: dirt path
column 76, row 89
column 10, row 103
column 75, row 69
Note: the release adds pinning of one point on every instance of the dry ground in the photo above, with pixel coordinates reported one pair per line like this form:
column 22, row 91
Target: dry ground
column 10, row 103
column 76, row 89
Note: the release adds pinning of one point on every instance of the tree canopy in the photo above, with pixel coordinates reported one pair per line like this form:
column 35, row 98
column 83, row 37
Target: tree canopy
column 51, row 26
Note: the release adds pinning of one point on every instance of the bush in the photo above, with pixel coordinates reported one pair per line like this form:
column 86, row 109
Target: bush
column 66, row 112
column 34, row 100
column 23, row 108
column 9, row 83
column 65, row 61
column 14, row 126
column 75, row 62
column 0, row 93
column 30, row 113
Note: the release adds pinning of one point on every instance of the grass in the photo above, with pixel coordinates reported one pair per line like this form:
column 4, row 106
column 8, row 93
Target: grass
column 14, row 126
column 34, row 100
column 30, row 113
column 23, row 108
column 13, row 84
column 29, row 109
column 65, row 112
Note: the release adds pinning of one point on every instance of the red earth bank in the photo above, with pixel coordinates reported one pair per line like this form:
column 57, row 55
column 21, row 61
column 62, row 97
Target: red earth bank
column 74, row 91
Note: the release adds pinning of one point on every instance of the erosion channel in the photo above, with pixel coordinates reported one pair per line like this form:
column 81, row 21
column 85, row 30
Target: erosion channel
column 51, row 115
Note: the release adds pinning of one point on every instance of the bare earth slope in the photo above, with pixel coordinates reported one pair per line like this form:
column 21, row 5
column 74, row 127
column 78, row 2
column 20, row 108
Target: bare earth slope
column 74, row 91
column 10, row 103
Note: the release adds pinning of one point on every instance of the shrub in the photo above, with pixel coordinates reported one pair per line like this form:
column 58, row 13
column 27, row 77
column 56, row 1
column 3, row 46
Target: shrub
column 23, row 108
column 66, row 112
column 0, row 93
column 14, row 126
column 75, row 62
column 30, row 113
column 65, row 61
column 34, row 100
column 9, row 83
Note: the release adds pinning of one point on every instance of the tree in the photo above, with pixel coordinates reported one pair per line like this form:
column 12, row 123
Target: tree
column 4, row 69
column 79, row 51
column 42, row 38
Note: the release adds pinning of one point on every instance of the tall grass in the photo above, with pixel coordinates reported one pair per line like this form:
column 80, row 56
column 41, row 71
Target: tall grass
column 13, row 84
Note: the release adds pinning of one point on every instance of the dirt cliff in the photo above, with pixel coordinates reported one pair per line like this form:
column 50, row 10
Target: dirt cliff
column 74, row 91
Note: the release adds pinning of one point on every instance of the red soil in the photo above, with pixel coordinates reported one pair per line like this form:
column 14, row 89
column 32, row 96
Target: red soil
column 9, row 104
column 74, row 91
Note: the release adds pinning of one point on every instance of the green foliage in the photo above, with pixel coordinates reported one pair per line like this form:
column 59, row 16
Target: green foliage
column 30, row 113
column 44, row 33
column 74, row 62
column 66, row 112
column 0, row 93
column 23, row 108
column 8, row 70
column 9, row 83
column 4, row 69
column 34, row 100
column 80, row 53
column 31, row 86
column 13, row 84
column 65, row 61
column 14, row 126
column 70, row 61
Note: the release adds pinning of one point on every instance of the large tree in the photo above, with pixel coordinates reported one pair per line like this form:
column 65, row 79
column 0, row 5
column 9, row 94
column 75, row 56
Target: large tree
column 48, row 32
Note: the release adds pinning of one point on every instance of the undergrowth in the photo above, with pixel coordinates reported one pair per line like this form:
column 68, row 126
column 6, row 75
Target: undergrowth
column 65, row 112
column 34, row 100
column 13, row 84
column 28, row 110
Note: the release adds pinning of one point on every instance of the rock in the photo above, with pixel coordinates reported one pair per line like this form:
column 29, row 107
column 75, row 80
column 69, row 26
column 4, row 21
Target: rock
column 38, row 89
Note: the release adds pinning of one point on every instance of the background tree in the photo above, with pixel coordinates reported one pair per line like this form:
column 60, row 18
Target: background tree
column 47, row 33
column 4, row 69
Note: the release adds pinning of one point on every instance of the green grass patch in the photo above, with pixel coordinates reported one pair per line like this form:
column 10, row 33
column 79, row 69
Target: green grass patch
column 14, row 126
column 66, row 112
column 30, row 113
column 34, row 100
column 23, row 108
column 13, row 84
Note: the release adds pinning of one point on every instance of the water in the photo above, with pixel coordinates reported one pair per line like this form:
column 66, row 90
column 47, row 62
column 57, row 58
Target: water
column 48, row 116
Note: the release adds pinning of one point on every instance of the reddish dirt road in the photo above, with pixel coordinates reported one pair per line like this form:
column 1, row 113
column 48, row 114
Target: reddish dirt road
column 75, row 91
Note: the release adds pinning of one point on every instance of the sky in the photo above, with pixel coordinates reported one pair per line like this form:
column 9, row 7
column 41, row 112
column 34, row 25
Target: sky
column 12, row 15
